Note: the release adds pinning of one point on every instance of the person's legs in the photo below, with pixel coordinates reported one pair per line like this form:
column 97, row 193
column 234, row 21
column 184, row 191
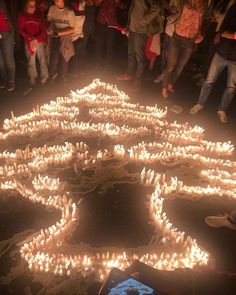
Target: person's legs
column 217, row 66
column 42, row 62
column 100, row 39
column 164, row 53
column 7, row 47
column 174, row 50
column 64, row 67
column 230, row 88
column 3, row 73
column 110, row 37
column 140, row 41
column 54, row 56
column 186, row 52
column 131, row 54
column 31, row 66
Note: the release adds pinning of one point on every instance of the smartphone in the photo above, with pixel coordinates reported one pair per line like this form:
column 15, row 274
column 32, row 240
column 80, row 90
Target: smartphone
column 120, row 283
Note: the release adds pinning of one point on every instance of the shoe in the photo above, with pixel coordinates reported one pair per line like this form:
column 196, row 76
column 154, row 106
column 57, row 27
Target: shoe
column 43, row 81
column 220, row 221
column 32, row 82
column 124, row 77
column 136, row 86
column 171, row 88
column 52, row 78
column 222, row 116
column 11, row 86
column 159, row 78
column 164, row 92
column 2, row 86
column 196, row 109
column 64, row 81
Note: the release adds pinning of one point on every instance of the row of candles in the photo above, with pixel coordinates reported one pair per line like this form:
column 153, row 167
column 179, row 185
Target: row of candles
column 183, row 143
column 33, row 128
column 169, row 154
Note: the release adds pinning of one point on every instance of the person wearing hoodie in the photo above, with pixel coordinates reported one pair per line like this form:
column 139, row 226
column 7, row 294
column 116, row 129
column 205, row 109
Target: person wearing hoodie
column 33, row 30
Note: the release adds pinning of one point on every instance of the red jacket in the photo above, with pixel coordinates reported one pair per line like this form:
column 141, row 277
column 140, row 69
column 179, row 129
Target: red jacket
column 32, row 27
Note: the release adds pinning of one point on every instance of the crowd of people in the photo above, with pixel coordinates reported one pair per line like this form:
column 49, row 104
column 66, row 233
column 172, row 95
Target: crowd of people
column 54, row 31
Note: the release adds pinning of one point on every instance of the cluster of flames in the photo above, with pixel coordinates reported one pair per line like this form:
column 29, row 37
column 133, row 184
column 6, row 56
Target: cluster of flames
column 176, row 143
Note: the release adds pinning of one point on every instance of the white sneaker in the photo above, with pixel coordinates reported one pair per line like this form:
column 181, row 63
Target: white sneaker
column 196, row 109
column 43, row 81
column 220, row 221
column 222, row 116
column 32, row 82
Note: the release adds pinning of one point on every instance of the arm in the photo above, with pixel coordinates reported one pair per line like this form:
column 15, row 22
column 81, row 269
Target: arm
column 229, row 35
column 153, row 12
column 41, row 36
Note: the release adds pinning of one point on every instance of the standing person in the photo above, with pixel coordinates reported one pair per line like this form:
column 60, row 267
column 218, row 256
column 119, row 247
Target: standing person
column 172, row 15
column 62, row 27
column 185, row 38
column 78, row 36
column 33, row 30
column 7, row 59
column 144, row 20
column 217, row 10
column 105, row 33
column 225, row 57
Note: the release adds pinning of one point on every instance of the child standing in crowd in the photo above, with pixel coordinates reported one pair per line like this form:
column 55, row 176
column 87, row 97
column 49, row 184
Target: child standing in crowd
column 186, row 36
column 225, row 57
column 78, row 36
column 33, row 30
column 7, row 59
column 62, row 27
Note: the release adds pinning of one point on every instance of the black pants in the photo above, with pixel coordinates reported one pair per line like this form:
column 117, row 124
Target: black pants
column 136, row 54
column 179, row 52
column 57, row 59
column 79, row 58
column 104, row 43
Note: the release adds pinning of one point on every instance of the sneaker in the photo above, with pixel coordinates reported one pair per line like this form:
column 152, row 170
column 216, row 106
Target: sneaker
column 196, row 109
column 52, row 78
column 164, row 93
column 159, row 78
column 124, row 77
column 220, row 221
column 222, row 117
column 171, row 88
column 11, row 86
column 136, row 86
column 43, row 81
column 32, row 82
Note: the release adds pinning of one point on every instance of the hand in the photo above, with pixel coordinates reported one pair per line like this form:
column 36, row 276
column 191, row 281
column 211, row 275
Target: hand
column 217, row 39
column 49, row 32
column 34, row 43
column 199, row 39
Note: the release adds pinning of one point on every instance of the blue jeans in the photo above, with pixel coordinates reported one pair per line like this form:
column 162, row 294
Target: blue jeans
column 217, row 66
column 180, row 50
column 136, row 54
column 32, row 70
column 7, row 59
